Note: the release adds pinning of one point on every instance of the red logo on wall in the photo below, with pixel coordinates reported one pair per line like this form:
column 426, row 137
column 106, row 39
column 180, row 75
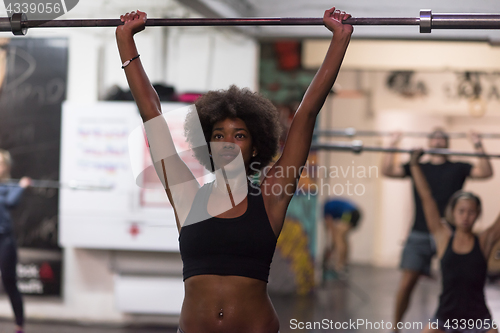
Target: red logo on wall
column 46, row 272
column 134, row 230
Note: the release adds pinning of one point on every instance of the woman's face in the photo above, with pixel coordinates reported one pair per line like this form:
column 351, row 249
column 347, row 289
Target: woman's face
column 229, row 137
column 465, row 213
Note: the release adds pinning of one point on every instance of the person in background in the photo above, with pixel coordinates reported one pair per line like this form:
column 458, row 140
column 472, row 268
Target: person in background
column 341, row 216
column 10, row 195
column 445, row 178
column 463, row 255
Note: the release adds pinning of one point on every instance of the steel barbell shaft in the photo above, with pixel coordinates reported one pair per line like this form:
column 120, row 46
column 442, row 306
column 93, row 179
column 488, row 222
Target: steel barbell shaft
column 427, row 21
column 357, row 147
column 435, row 151
column 35, row 183
column 465, row 21
column 75, row 185
column 223, row 22
column 5, row 23
column 352, row 132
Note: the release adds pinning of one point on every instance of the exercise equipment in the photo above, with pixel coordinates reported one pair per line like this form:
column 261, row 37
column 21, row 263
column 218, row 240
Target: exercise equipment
column 352, row 132
column 19, row 23
column 73, row 184
column 357, row 146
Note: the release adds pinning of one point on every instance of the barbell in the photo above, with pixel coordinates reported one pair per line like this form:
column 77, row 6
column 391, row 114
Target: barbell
column 19, row 23
column 352, row 132
column 73, row 184
column 357, row 146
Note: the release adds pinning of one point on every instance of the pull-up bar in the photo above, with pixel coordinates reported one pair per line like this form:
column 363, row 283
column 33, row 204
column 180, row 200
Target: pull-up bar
column 19, row 23
column 73, row 184
column 356, row 146
column 352, row 132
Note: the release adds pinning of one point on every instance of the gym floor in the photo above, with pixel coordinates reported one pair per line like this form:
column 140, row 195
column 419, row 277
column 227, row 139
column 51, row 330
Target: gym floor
column 367, row 295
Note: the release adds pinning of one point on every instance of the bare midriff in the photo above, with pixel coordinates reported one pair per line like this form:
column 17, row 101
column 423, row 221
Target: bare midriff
column 227, row 304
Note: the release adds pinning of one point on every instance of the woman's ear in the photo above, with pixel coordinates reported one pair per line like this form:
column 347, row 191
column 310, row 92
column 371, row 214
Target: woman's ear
column 254, row 153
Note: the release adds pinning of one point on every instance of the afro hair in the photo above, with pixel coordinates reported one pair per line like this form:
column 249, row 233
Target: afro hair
column 258, row 113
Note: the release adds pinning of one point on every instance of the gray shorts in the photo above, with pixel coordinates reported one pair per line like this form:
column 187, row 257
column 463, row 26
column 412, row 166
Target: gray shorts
column 418, row 252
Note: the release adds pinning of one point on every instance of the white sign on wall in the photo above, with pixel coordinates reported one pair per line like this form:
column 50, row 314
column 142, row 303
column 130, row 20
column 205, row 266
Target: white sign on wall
column 95, row 152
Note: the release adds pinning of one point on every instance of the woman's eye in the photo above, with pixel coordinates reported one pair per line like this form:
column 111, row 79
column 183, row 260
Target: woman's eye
column 217, row 136
column 240, row 136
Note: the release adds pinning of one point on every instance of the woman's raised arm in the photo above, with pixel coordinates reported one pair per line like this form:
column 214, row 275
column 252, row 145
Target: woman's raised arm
column 490, row 237
column 168, row 163
column 144, row 94
column 301, row 130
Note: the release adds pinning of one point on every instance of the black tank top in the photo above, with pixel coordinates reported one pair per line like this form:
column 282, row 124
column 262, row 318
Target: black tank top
column 242, row 246
column 464, row 277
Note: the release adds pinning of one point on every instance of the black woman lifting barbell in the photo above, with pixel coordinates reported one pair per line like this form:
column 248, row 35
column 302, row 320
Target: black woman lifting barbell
column 226, row 265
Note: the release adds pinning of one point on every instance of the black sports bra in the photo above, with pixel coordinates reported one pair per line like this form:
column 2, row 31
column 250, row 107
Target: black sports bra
column 464, row 277
column 242, row 246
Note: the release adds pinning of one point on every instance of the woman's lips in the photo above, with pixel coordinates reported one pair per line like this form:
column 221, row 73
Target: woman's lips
column 228, row 156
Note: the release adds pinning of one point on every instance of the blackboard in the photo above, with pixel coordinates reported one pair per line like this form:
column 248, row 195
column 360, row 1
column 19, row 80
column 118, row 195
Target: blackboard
column 30, row 116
